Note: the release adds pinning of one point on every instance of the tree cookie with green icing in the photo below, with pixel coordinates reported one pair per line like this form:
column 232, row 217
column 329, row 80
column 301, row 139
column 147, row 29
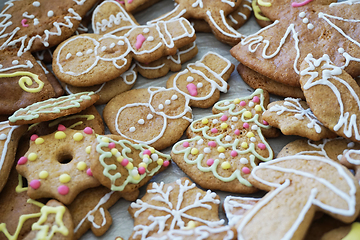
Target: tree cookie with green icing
column 222, row 149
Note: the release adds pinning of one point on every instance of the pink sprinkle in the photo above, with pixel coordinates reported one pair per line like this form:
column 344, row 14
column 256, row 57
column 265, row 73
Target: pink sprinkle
column 23, row 23
column 33, row 137
column 166, row 163
column 300, row 4
column 111, row 145
column 212, row 144
column 89, row 172
column 192, row 89
column 124, row 162
column 237, row 132
column 147, row 152
column 22, row 161
column 139, row 41
column 61, row 127
column 224, row 118
column 245, row 170
column 256, row 99
column 186, row 144
column 141, row 170
column 243, row 103
column 210, row 162
column 265, row 122
column 245, row 125
column 233, row 153
column 63, row 189
column 88, row 130
column 130, row 1
column 214, row 130
column 262, row 146
column 35, row 184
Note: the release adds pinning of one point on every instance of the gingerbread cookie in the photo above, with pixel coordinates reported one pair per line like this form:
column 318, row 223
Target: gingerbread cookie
column 294, row 117
column 222, row 149
column 236, row 207
column 340, row 110
column 172, row 206
column 295, row 33
column 36, row 25
column 58, row 165
column 313, row 183
column 350, row 232
column 213, row 12
column 260, row 18
column 59, row 91
column 351, row 160
column 121, row 165
column 137, row 5
column 53, row 108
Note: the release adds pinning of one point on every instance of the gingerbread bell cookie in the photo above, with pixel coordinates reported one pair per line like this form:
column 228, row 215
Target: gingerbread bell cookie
column 222, row 149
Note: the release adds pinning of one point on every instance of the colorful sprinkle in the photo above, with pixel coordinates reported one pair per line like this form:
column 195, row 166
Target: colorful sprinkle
column 194, row 151
column 210, row 162
column 33, row 137
column 130, row 166
column 225, row 165
column 212, row 144
column 243, row 103
column 250, row 134
column 152, row 150
column 81, row 166
column 32, row 156
column 256, row 99
column 140, row 39
column 60, row 135
column 88, row 130
column 192, row 89
column 247, row 114
column 221, row 149
column 136, row 177
column 224, row 118
column 214, row 130
column 78, row 137
column 258, row 108
column 245, row 170
column 205, row 121
column 22, row 161
column 186, row 144
column 142, row 170
column 236, row 101
column 39, row 141
column 160, row 161
column 23, row 23
column 244, row 161
column 244, row 145
column 233, row 153
column 88, row 149
column 35, row 184
column 124, row 162
column 43, row 174
column 89, row 172
column 300, row 4
column 237, row 132
column 63, row 189
column 245, row 125
column 64, row 178
column 105, row 139
column 262, row 146
column 265, row 122
column 224, row 125
column 143, row 164
column 61, row 127
column 147, row 152
column 166, row 163
column 115, row 152
column 111, row 145
column 120, row 159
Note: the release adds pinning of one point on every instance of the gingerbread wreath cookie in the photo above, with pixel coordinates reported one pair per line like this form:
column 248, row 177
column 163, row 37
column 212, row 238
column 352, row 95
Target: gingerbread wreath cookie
column 222, row 149
column 299, row 186
column 58, row 165
column 339, row 111
column 296, row 32
column 172, row 206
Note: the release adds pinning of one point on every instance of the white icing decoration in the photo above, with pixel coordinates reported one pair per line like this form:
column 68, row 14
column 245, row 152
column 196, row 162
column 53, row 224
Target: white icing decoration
column 112, row 45
column 174, row 97
column 199, row 85
column 141, row 121
column 228, row 138
column 244, row 161
column 146, row 30
column 305, row 20
column 36, row 4
column 26, row 14
column 79, row 54
column 15, row 62
column 222, row 156
column 103, row 48
column 50, row 13
column 253, row 139
column 310, row 26
column 121, row 43
column 132, row 129
column 3, row 136
column 215, row 121
column 167, row 102
column 89, row 51
column 189, row 79
column 302, row 14
column 254, row 127
column 234, row 119
column 161, row 107
column 36, row 22
column 251, row 104
column 207, row 150
column 226, row 103
column 231, row 203
column 149, row 116
column 200, row 142
column 150, row 38
column 198, row 3
column 4, row 127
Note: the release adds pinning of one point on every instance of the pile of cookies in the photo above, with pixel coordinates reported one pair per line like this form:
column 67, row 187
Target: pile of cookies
column 77, row 140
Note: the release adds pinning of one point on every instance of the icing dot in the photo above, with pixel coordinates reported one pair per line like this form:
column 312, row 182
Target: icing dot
column 103, row 48
column 174, row 97
column 68, row 56
column 88, row 149
column 63, row 189
column 112, row 45
column 233, row 153
column 140, row 39
column 36, row 22
column 39, row 141
column 236, row 101
column 132, row 129
column 89, row 172
column 210, row 162
column 194, row 151
column 237, row 132
column 89, row 51
column 256, row 99
column 200, row 142
column 22, row 161
column 81, row 166
column 166, row 163
column 310, row 26
column 35, row 184
column 265, row 122
column 245, row 170
column 262, row 146
column 253, row 139
column 152, row 150
column 251, row 104
column 214, row 130
column 161, row 106
column 149, row 116
column 120, row 159
column 150, row 38
column 60, row 135
column 124, row 162
column 33, row 137
column 160, row 161
column 258, row 108
column 32, row 157
column 61, row 127
column 226, row 103
column 224, row 125
column 305, row 20
column 134, row 172
column 186, row 144
column 43, row 174
column 105, row 139
column 215, row 121
column 146, row 30
column 243, row 103
column 245, row 125
column 247, row 114
column 167, row 102
column 234, row 119
column 64, row 178
column 244, row 161
column 79, row 54
column 1, row 65
column 212, row 144
column 154, row 157
column 36, row 4
column 207, row 150
column 142, row 170
column 15, row 62
column 224, row 118
column 141, row 121
column 204, row 121
column 142, row 164
column 199, row 85
column 254, row 127
column 50, row 13
column 221, row 149
column 302, row 14
column 3, row 136
column 228, row 138
column 147, row 152
column 121, row 43
column 88, row 130
column 244, row 145
column 114, row 151
column 222, row 155
column 136, row 177
column 78, row 137
column 189, row 79
column 111, row 145
column 225, row 165
column 130, row 166
column 341, row 50
column 350, row 144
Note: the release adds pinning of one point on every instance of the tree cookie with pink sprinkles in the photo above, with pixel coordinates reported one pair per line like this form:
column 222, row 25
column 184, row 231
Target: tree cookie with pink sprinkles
column 58, row 165
column 222, row 149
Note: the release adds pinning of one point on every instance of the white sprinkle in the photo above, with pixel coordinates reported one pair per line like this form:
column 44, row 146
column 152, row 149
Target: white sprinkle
column 15, row 62
column 36, row 4
column 310, row 26
column 189, row 79
column 351, row 145
column 207, row 150
column 121, row 43
column 232, row 127
column 154, row 156
column 112, row 45
column 215, row 121
column 103, row 48
column 141, row 121
column 150, row 38
column 298, row 116
column 50, row 13
column 222, row 155
column 251, row 104
column 226, row 103
column 36, row 21
column 146, row 160
column 254, row 127
column 199, row 85
column 134, row 172
column 305, row 20
column 161, row 106
column 253, row 139
column 244, row 161
column 132, row 129
column 79, row 54
column 3, row 136
column 89, row 51
column 167, row 102
column 68, row 56
column 234, row 119
column 146, row 30
column 339, row 157
column 228, row 138
column 149, row 116
column 302, row 14
column 174, row 97
column 200, row 142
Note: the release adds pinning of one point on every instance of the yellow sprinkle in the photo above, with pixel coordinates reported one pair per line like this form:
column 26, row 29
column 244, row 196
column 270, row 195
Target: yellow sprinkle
column 204, row 121
column 114, row 151
column 119, row 159
column 78, row 137
column 264, row 4
column 43, row 174
column 244, row 145
column 194, row 151
column 143, row 165
column 59, row 135
column 190, row 225
column 105, row 139
column 136, row 177
column 160, row 161
column 64, row 178
column 247, row 114
column 221, row 149
column 88, row 149
column 130, row 166
column 258, row 108
column 152, row 150
column 32, row 156
column 145, row 156
column 81, row 166
column 250, row 134
column 224, row 125
column 225, row 165
column 236, row 101
column 39, row 141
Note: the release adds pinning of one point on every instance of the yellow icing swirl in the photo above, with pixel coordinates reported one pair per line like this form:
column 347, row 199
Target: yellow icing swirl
column 26, row 79
column 257, row 12
column 264, row 4
column 19, row 188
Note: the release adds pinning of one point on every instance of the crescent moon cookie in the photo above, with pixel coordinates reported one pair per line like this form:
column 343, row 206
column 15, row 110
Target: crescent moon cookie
column 339, row 111
column 222, row 149
column 297, row 32
column 299, row 186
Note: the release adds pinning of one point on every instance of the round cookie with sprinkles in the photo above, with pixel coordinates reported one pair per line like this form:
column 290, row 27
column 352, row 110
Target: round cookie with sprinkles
column 58, row 165
column 222, row 149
